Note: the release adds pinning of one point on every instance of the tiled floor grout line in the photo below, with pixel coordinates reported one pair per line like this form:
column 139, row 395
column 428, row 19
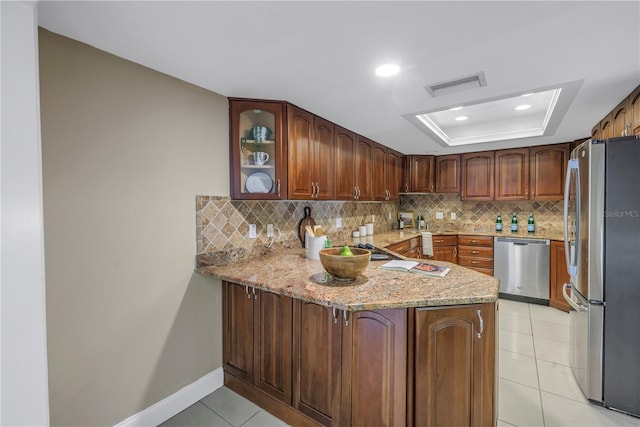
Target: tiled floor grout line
column 535, row 358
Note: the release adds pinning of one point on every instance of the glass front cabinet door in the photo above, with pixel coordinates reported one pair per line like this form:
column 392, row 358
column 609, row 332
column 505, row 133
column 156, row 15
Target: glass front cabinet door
column 258, row 150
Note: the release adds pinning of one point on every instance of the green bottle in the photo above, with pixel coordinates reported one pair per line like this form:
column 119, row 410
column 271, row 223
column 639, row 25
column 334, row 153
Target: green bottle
column 514, row 223
column 531, row 226
column 327, row 243
column 499, row 222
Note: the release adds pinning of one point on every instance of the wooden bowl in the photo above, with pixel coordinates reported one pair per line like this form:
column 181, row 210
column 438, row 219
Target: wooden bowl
column 345, row 268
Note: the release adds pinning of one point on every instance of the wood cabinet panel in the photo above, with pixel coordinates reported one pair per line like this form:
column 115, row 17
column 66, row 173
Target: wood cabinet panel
column 316, row 362
column 301, row 153
column 621, row 119
column 445, row 253
column 379, row 172
column 393, row 174
column 558, row 276
column 452, row 387
column 374, row 368
column 467, row 240
column 448, row 174
column 272, row 344
column 345, row 160
column 421, row 174
column 476, row 262
column 475, row 251
column 606, row 127
column 634, row 111
column 237, row 324
column 324, row 158
column 548, row 166
column 477, row 179
column 512, row 174
column 444, row 240
column 364, row 168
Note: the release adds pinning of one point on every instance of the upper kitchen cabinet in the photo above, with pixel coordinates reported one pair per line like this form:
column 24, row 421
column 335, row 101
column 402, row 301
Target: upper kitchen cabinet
column 311, row 156
column 621, row 117
column 606, row 127
column 345, row 148
column 363, row 168
column 512, row 174
column 547, row 168
column 448, row 174
column 420, row 172
column 634, row 111
column 596, row 132
column 258, row 150
column 386, row 174
column 477, row 176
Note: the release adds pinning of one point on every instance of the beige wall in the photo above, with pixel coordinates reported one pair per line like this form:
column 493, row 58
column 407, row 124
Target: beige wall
column 125, row 151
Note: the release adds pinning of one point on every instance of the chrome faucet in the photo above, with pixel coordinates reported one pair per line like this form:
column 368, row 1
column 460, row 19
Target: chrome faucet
column 422, row 218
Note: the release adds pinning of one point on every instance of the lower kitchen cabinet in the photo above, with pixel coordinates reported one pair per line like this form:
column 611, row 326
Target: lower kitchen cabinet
column 444, row 249
column 455, row 366
column 476, row 253
column 350, row 368
column 257, row 338
column 411, row 248
column 558, row 276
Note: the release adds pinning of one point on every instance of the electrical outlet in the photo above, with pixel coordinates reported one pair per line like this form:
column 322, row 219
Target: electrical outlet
column 439, row 215
column 269, row 230
column 453, row 215
column 338, row 222
column 373, row 218
column 252, row 231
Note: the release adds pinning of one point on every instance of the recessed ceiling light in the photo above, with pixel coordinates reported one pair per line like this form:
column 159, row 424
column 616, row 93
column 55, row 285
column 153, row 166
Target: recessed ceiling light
column 461, row 118
column 387, row 70
column 455, row 108
column 522, row 107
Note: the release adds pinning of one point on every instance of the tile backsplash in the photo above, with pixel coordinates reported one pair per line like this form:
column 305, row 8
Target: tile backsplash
column 481, row 216
column 222, row 224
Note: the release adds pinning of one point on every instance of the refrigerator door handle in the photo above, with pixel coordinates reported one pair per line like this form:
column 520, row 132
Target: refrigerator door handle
column 573, row 164
column 570, row 300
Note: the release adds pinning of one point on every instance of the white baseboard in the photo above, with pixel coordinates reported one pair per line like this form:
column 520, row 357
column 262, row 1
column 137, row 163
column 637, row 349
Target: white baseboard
column 180, row 400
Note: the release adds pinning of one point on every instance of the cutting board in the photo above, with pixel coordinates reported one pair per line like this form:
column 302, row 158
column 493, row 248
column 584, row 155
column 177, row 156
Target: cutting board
column 306, row 220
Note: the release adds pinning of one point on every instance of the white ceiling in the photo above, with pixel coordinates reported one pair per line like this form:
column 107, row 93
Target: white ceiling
column 321, row 55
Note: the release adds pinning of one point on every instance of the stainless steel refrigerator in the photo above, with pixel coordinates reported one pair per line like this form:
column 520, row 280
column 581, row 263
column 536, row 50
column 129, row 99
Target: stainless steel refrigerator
column 602, row 245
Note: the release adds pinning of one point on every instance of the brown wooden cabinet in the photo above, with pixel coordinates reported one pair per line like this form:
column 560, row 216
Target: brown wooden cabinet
column 455, row 366
column 448, row 174
column 379, row 172
column 420, row 172
column 477, row 176
column 393, row 174
column 411, row 248
column 445, row 248
column 621, row 118
column 512, row 174
column 317, row 347
column 558, row 276
column 374, row 368
column 246, row 175
column 350, row 368
column 311, row 154
column 606, row 127
column 547, row 169
column 634, row 111
column 363, row 162
column 257, row 338
column 345, row 160
column 476, row 253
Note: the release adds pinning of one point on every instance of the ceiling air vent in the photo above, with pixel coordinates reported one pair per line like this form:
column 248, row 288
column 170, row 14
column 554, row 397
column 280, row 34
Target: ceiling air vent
column 457, row 85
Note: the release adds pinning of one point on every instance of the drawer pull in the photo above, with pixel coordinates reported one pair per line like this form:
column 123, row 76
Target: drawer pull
column 474, row 252
column 475, row 262
column 474, row 241
column 439, row 241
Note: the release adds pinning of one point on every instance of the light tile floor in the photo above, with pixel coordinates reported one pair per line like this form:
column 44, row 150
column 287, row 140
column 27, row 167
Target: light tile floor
column 536, row 386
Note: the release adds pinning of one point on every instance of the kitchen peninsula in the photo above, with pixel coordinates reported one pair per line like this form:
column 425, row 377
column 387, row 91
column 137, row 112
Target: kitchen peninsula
column 390, row 349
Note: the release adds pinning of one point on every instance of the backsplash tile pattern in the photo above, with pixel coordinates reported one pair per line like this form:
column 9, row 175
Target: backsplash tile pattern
column 222, row 224
column 481, row 216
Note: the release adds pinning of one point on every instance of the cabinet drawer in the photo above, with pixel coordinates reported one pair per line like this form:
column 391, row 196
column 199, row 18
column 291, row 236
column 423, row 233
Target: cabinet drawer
column 487, row 271
column 475, row 241
column 466, row 261
column 405, row 245
column 444, row 240
column 475, row 251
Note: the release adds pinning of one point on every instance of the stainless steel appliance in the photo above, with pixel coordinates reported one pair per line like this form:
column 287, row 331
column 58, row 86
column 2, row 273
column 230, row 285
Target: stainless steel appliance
column 522, row 265
column 602, row 245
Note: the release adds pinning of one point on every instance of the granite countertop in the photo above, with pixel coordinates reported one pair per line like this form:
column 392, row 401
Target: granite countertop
column 288, row 272
column 522, row 233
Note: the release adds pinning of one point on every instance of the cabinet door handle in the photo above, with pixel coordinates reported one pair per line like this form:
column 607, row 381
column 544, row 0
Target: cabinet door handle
column 479, row 334
column 278, row 187
column 246, row 289
column 345, row 316
column 355, row 193
column 439, row 241
column 335, row 315
column 255, row 293
column 358, row 193
column 317, row 189
column 474, row 262
column 431, row 187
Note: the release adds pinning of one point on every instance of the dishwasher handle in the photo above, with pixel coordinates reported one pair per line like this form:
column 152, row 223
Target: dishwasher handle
column 522, row 241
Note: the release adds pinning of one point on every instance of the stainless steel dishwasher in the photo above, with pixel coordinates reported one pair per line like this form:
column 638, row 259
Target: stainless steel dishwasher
column 522, row 265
